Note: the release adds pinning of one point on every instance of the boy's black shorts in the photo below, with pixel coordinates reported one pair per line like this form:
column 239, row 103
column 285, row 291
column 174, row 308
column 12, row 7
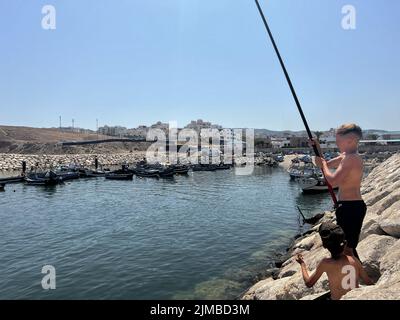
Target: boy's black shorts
column 350, row 216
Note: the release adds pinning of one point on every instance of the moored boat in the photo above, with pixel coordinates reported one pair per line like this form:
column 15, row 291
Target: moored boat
column 204, row 167
column 222, row 166
column 166, row 172
column 48, row 178
column 147, row 173
column 69, row 175
column 120, row 174
column 94, row 173
column 181, row 169
column 12, row 179
column 313, row 185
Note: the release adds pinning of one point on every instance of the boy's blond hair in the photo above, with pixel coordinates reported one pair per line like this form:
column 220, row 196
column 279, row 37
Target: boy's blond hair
column 350, row 128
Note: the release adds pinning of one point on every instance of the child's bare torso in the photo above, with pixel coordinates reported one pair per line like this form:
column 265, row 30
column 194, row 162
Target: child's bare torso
column 349, row 188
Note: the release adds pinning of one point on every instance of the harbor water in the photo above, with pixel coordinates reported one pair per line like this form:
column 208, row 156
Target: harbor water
column 206, row 235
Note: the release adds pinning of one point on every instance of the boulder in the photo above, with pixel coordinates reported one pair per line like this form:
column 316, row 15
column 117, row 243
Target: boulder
column 370, row 226
column 380, row 206
column 390, row 264
column 390, row 220
column 387, row 291
column 312, row 241
column 265, row 290
column 371, row 250
column 294, row 288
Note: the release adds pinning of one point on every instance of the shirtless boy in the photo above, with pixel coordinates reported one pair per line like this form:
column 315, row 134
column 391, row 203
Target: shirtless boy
column 348, row 175
column 343, row 271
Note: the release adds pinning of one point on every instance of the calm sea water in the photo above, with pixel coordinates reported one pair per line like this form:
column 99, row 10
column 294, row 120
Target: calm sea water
column 201, row 236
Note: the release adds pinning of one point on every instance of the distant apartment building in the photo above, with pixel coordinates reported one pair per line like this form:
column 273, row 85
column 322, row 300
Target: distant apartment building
column 232, row 136
column 159, row 125
column 139, row 132
column 280, row 142
column 116, row 131
column 200, row 124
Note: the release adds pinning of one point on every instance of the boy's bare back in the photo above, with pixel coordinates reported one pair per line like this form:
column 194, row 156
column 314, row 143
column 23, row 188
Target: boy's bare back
column 343, row 275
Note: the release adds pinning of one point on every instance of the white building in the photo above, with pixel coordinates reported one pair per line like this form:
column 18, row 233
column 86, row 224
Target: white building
column 278, row 142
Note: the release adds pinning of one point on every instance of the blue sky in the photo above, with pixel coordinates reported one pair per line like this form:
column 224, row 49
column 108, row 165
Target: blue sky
column 131, row 62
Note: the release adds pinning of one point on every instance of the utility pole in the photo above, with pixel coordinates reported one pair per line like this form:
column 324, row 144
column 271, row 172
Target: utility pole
column 97, row 128
column 73, row 123
column 60, row 123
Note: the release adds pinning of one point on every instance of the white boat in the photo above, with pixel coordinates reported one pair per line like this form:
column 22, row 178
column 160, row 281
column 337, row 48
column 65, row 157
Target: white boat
column 313, row 184
column 297, row 172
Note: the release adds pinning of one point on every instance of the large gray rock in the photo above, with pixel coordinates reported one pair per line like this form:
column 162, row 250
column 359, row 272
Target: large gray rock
column 386, row 291
column 371, row 226
column 307, row 243
column 390, row 220
column 383, row 191
column 371, row 250
column 390, row 264
column 380, row 206
column 295, row 288
column 265, row 290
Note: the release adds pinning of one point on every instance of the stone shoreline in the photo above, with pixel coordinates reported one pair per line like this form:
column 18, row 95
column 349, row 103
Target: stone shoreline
column 12, row 162
column 379, row 247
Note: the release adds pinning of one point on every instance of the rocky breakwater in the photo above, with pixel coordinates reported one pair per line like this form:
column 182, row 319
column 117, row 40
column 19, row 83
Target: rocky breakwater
column 379, row 247
column 14, row 161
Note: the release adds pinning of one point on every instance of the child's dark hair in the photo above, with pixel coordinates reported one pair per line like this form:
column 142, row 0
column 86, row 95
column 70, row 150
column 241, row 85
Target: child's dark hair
column 333, row 238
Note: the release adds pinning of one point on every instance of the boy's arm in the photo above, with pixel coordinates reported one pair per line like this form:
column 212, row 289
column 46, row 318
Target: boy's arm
column 335, row 178
column 311, row 280
column 334, row 163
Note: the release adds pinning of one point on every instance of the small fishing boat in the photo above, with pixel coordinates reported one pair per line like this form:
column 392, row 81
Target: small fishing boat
column 49, row 178
column 222, row 166
column 204, row 167
column 296, row 171
column 166, row 172
column 120, row 174
column 181, row 169
column 279, row 158
column 69, row 175
column 70, row 172
column 93, row 173
column 12, row 179
column 147, row 173
column 311, row 185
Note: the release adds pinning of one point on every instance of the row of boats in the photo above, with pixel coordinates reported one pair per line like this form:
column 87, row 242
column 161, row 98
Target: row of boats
column 142, row 169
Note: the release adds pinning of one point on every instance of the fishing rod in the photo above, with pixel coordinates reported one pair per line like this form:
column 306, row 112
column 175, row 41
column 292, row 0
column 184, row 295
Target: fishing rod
column 303, row 117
